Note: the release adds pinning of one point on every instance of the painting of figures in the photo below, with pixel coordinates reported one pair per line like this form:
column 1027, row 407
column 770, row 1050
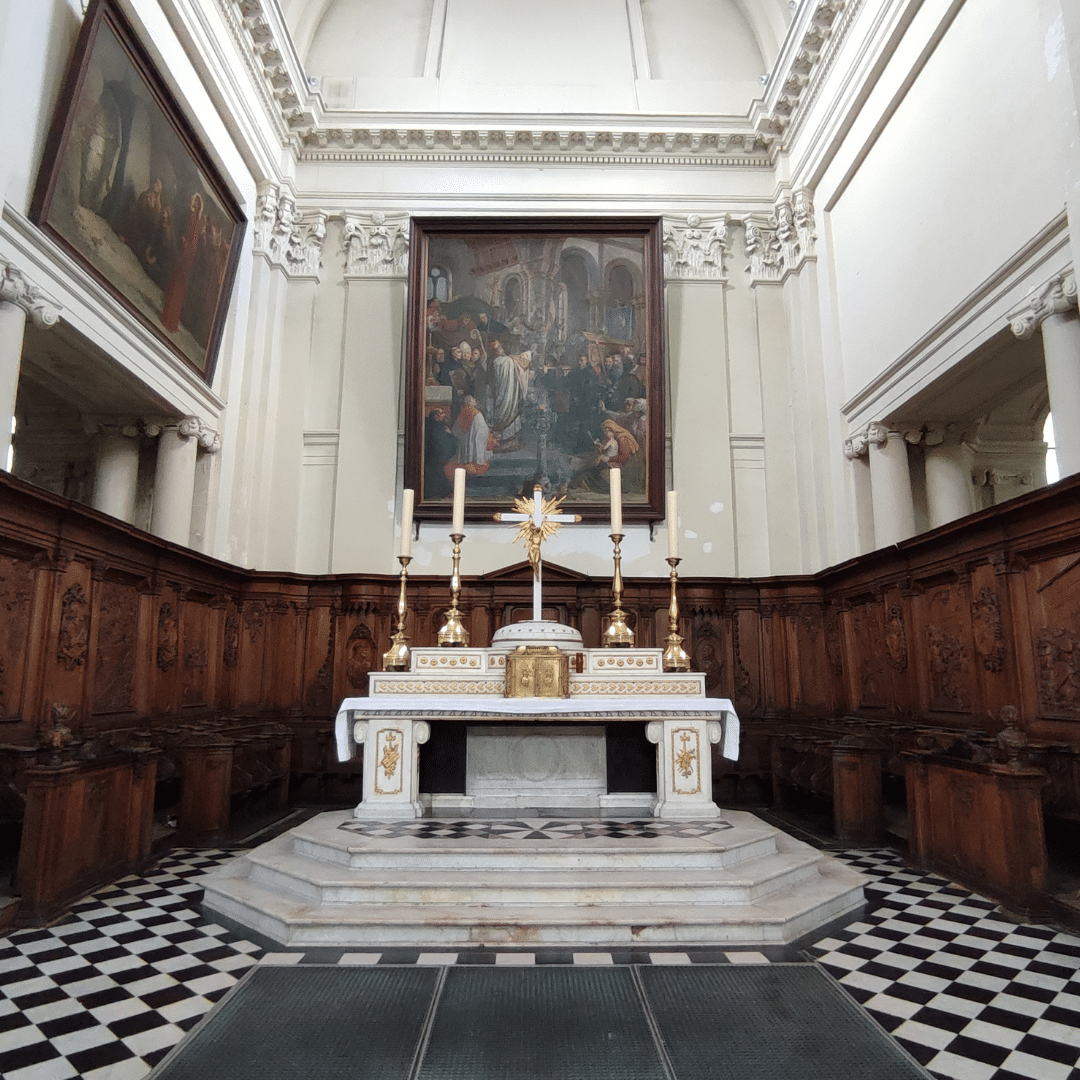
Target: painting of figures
column 535, row 358
column 126, row 188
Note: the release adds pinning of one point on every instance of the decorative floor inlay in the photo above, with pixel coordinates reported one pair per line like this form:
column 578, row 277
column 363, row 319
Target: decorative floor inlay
column 969, row 993
column 535, row 829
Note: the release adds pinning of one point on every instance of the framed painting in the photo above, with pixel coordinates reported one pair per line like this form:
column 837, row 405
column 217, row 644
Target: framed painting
column 535, row 355
column 128, row 190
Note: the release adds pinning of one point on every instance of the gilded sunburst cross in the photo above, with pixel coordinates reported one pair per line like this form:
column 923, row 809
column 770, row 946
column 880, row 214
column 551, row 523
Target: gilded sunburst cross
column 537, row 521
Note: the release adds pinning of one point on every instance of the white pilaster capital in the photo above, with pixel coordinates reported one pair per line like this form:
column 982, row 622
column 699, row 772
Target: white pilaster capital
column 872, row 434
column 694, row 247
column 763, row 249
column 16, row 288
column 375, row 244
column 284, row 236
column 1054, row 298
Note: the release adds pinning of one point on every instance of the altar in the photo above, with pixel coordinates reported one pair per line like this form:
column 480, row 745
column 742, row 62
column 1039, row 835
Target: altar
column 469, row 686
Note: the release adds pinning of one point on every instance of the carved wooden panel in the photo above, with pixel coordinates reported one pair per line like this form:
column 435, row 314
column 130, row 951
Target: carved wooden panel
column 16, row 597
column 870, row 655
column 195, row 654
column 117, row 648
column 1054, row 606
column 948, row 648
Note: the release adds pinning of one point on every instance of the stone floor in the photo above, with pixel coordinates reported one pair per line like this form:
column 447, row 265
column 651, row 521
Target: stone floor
column 967, row 992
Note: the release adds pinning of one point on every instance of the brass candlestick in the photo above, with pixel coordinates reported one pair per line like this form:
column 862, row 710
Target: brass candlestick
column 675, row 658
column 617, row 633
column 396, row 658
column 453, row 632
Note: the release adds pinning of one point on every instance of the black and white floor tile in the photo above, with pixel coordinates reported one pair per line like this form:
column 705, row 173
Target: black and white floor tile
column 970, row 994
column 533, row 829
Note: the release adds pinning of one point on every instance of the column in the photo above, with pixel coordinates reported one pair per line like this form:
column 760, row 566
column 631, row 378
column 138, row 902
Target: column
column 174, row 480
column 890, row 482
column 1053, row 310
column 18, row 298
column 116, row 471
column 856, row 450
column 948, row 477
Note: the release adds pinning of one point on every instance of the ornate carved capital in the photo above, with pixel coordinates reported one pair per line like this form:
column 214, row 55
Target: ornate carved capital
column 194, row 427
column 694, row 247
column 376, row 244
column 763, row 249
column 1054, row 298
column 17, row 289
column 287, row 238
column 858, row 445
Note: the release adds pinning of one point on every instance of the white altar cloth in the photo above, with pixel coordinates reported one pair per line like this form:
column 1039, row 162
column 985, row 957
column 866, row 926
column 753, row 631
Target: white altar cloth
column 591, row 710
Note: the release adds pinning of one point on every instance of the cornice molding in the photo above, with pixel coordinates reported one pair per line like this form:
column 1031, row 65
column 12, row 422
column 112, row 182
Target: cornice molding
column 1056, row 297
column 17, row 289
column 314, row 133
column 695, row 246
column 808, row 53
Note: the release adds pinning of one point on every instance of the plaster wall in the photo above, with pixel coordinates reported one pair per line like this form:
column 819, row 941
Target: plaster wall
column 941, row 184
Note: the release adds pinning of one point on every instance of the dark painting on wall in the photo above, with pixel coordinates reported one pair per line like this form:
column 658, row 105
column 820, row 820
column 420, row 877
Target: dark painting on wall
column 535, row 356
column 127, row 189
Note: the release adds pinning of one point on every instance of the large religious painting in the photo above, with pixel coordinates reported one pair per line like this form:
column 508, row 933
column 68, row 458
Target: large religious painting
column 128, row 190
column 535, row 356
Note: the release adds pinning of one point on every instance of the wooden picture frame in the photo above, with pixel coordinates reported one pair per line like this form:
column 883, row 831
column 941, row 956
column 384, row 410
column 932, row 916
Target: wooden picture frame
column 127, row 189
column 526, row 298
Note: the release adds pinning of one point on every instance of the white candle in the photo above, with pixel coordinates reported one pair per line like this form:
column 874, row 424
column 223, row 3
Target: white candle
column 672, row 525
column 458, row 528
column 615, row 479
column 406, row 522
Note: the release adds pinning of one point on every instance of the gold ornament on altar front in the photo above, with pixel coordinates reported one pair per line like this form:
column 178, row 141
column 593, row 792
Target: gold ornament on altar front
column 535, row 534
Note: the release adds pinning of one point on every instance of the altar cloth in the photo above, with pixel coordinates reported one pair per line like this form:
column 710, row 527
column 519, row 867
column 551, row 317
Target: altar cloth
column 590, row 710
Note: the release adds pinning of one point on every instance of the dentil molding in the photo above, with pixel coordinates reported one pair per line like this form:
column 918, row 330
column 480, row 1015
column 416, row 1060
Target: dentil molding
column 694, row 247
column 375, row 244
column 16, row 288
column 1054, row 298
column 286, row 238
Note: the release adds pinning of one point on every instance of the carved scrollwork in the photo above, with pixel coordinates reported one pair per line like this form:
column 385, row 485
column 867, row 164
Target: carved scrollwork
column 375, row 244
column 986, row 628
column 896, row 638
column 1059, row 670
column 74, row 628
column 168, row 637
column 360, row 656
column 694, row 247
column 230, row 649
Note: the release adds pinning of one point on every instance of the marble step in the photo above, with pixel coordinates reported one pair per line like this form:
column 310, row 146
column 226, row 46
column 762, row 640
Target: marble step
column 278, row 869
column 780, row 918
column 323, row 842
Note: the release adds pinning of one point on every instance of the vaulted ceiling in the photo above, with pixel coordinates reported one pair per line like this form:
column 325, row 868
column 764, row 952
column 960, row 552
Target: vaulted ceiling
column 569, row 56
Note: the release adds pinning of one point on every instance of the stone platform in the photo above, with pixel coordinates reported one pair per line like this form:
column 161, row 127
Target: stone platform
column 338, row 881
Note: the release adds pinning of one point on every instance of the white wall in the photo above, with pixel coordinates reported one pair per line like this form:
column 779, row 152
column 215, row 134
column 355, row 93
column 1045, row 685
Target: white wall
column 968, row 168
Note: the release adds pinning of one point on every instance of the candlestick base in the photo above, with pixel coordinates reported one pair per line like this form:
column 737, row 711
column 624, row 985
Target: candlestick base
column 617, row 634
column 675, row 658
column 453, row 632
column 396, row 658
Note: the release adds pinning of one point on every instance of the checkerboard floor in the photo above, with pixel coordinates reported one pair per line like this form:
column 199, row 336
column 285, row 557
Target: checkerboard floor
column 968, row 993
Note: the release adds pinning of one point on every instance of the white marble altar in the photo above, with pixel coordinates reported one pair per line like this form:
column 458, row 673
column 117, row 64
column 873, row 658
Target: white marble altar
column 515, row 765
column 467, row 685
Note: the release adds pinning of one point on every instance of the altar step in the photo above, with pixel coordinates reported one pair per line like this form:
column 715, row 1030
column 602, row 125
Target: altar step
column 740, row 882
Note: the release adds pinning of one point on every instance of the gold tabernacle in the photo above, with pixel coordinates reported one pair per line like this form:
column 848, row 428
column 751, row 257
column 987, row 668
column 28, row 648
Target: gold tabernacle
column 537, row 671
